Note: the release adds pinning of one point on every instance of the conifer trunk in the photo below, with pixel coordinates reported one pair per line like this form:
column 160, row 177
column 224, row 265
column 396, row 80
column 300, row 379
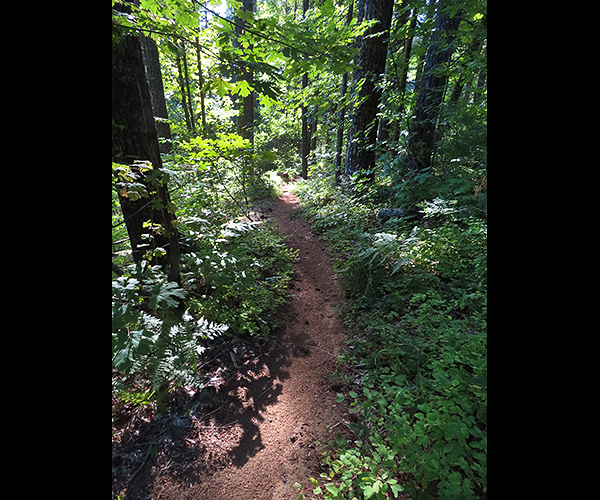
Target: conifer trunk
column 360, row 152
column 157, row 92
column 421, row 140
column 246, row 111
column 201, row 85
column 342, row 111
column 134, row 139
column 184, row 104
column 305, row 133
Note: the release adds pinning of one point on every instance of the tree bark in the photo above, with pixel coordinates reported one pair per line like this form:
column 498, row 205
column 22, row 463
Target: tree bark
column 201, row 85
column 157, row 92
column 182, row 90
column 387, row 123
column 187, row 89
column 408, row 41
column 429, row 14
column 246, row 111
column 305, row 133
column 312, row 129
column 421, row 140
column 465, row 74
column 134, row 139
column 342, row 112
column 360, row 152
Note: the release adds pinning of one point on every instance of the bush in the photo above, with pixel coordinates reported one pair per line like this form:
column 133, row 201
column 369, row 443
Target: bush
column 234, row 271
column 149, row 336
column 240, row 277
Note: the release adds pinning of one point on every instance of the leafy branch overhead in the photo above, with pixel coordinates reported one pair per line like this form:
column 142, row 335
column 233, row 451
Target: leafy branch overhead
column 326, row 46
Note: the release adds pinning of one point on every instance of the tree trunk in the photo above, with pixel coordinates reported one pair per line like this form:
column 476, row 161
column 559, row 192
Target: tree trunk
column 246, row 111
column 134, row 139
column 305, row 132
column 186, row 110
column 465, row 74
column 187, row 89
column 387, row 123
column 405, row 65
column 305, row 135
column 421, row 140
column 157, row 92
column 342, row 112
column 340, row 132
column 429, row 14
column 360, row 152
column 201, row 85
column 312, row 129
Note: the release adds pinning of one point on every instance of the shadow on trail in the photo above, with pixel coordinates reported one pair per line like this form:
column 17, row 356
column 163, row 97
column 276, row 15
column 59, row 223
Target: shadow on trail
column 259, row 386
column 172, row 444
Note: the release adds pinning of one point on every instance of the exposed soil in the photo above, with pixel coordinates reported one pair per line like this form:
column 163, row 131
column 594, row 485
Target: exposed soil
column 257, row 430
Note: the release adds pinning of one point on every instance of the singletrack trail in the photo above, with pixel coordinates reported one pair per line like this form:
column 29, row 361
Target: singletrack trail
column 265, row 435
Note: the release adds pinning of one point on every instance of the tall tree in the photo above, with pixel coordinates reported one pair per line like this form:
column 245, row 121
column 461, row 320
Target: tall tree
column 465, row 74
column 157, row 92
column 393, row 73
column 305, row 133
column 421, row 140
column 360, row 152
column 201, row 85
column 246, row 114
column 181, row 60
column 408, row 41
column 342, row 111
column 134, row 140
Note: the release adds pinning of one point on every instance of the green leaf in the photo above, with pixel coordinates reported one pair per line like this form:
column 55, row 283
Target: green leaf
column 475, row 431
column 377, row 485
column 242, row 88
column 144, row 346
column 368, row 492
column 163, row 295
column 352, row 394
column 122, row 315
column 122, row 360
column 425, row 407
column 339, row 398
column 396, row 488
column 332, row 489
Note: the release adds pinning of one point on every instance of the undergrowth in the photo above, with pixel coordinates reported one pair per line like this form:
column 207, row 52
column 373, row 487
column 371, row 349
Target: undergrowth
column 235, row 270
column 418, row 314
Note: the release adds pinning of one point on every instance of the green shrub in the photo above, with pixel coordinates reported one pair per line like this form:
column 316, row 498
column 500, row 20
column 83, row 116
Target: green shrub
column 149, row 335
column 240, row 277
column 234, row 276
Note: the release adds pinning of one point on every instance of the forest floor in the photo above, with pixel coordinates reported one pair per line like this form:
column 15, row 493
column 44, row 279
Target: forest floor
column 271, row 409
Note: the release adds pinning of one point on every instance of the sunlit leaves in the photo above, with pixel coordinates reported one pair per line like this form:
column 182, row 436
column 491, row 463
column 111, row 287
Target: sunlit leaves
column 242, row 88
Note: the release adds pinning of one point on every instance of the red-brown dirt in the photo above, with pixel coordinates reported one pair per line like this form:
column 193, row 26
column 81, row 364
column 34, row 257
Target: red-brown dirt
column 260, row 431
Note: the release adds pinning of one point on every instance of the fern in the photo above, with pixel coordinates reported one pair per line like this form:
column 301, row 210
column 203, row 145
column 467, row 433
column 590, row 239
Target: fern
column 156, row 341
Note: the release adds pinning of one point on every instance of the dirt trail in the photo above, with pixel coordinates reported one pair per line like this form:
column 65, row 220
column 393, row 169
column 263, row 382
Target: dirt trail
column 305, row 403
column 260, row 437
